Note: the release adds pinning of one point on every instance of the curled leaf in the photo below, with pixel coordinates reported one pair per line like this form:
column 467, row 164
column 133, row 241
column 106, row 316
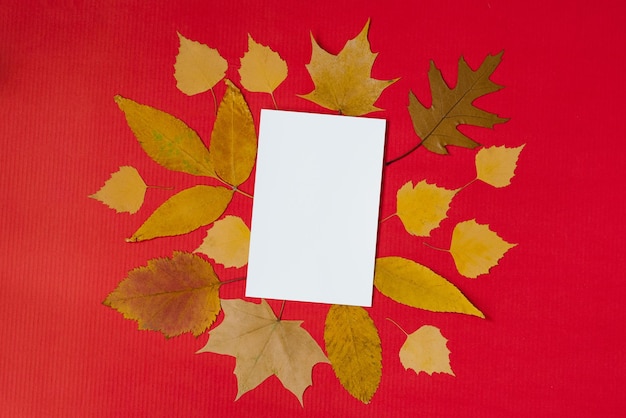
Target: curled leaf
column 262, row 69
column 263, row 346
column 124, row 191
column 184, row 212
column 415, row 285
column 354, row 350
column 198, row 68
column 227, row 242
column 343, row 82
column 476, row 248
column 233, row 140
column 496, row 165
column 171, row 295
column 166, row 139
column 422, row 208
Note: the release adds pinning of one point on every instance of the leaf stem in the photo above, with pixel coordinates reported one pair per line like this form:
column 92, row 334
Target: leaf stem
column 214, row 101
column 405, row 154
column 396, row 324
column 160, row 187
column 282, row 308
column 387, row 218
column 238, row 279
column 435, row 248
column 274, row 100
column 458, row 190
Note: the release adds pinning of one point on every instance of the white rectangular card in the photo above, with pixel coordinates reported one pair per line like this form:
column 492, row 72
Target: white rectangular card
column 315, row 208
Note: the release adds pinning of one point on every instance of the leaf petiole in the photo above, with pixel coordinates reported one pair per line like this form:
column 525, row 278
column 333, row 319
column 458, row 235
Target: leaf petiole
column 435, row 248
column 396, row 324
column 238, row 279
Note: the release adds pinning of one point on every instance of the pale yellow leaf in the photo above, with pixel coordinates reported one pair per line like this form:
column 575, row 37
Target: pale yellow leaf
column 124, row 191
column 354, row 350
column 233, row 140
column 227, row 242
column 422, row 208
column 262, row 69
column 476, row 249
column 172, row 295
column 425, row 350
column 264, row 346
column 496, row 165
column 184, row 212
column 413, row 284
column 198, row 68
column 343, row 82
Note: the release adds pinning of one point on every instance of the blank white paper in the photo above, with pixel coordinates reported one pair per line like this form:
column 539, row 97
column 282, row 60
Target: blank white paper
column 315, row 208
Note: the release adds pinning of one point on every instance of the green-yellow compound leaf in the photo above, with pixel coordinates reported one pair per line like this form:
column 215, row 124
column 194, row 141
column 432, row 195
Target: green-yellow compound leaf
column 413, row 284
column 171, row 295
column 166, row 139
column 184, row 212
column 354, row 350
column 233, row 140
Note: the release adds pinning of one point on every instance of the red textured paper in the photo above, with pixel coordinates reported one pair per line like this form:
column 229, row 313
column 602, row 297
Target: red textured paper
column 553, row 341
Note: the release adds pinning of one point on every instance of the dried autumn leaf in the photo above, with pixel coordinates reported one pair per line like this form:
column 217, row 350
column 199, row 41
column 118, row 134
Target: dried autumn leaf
column 496, row 165
column 124, row 191
column 415, row 285
column 263, row 346
column 437, row 126
column 354, row 350
column 343, row 82
column 184, row 212
column 198, row 68
column 166, row 139
column 227, row 242
column 171, row 295
column 422, row 208
column 476, row 248
column 233, row 140
column 425, row 350
column 262, row 69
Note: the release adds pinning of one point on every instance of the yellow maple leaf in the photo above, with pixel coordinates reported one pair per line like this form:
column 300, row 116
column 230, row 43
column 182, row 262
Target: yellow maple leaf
column 184, row 212
column 264, row 346
column 227, row 242
column 496, row 165
column 354, row 350
column 413, row 284
column 425, row 350
column 262, row 69
column 233, row 139
column 124, row 191
column 171, row 295
column 422, row 208
column 343, row 82
column 198, row 68
column 476, row 248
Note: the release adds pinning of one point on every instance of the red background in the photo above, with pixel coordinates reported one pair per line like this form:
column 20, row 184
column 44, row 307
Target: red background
column 553, row 341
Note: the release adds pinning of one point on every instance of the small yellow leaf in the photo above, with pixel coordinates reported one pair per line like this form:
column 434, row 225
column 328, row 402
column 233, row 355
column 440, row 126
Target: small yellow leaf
column 354, row 350
column 476, row 249
column 172, row 295
column 227, row 242
column 262, row 69
column 184, row 212
column 425, row 350
column 496, row 165
column 166, row 139
column 124, row 191
column 233, row 140
column 422, row 208
column 415, row 285
column 343, row 82
column 198, row 68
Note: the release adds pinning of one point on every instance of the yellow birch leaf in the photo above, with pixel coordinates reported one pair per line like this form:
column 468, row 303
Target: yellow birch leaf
column 476, row 249
column 124, row 191
column 415, row 285
column 354, row 350
column 425, row 350
column 264, row 346
column 262, row 69
column 496, row 165
column 198, row 68
column 343, row 82
column 166, row 139
column 184, row 212
column 171, row 295
column 422, row 208
column 233, row 140
column 227, row 242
